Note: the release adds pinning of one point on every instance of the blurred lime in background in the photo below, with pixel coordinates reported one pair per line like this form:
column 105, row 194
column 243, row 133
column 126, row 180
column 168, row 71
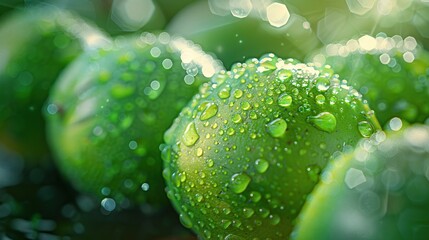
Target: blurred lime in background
column 239, row 30
column 35, row 45
column 391, row 72
column 381, row 191
column 108, row 111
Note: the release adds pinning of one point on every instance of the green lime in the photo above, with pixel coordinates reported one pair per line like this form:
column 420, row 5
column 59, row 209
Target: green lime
column 241, row 158
column 380, row 191
column 392, row 73
column 35, row 45
column 107, row 113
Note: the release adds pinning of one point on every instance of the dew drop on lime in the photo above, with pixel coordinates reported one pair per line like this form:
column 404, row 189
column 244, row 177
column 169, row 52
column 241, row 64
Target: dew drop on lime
column 185, row 220
column 209, row 112
column 284, row 100
column 248, row 212
column 238, row 93
column 239, row 182
column 322, row 84
column 261, row 165
column 284, row 74
column 224, row 93
column 320, row 99
column 277, row 127
column 324, row 121
column 236, row 118
column 313, row 172
column 190, row 136
column 365, row 129
column 255, row 196
column 274, row 219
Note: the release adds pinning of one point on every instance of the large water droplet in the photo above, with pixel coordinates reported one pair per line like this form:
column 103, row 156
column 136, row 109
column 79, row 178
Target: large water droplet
column 190, row 136
column 365, row 129
column 224, row 93
column 209, row 112
column 277, row 127
column 284, row 100
column 284, row 74
column 239, row 182
column 185, row 220
column 261, row 165
column 322, row 84
column 324, row 121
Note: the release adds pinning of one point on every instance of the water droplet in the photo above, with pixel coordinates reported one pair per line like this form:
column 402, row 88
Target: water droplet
column 320, row 99
column 277, row 127
column 365, row 129
column 225, row 223
column 255, row 196
column 267, row 65
column 322, row 84
column 248, row 212
column 185, row 220
column 261, row 165
column 236, row 118
column 239, row 182
column 313, row 172
column 274, row 219
column 284, row 74
column 324, row 121
column 190, row 136
column 209, row 112
column 238, row 93
column 245, row 105
column 224, row 93
column 284, row 100
column 199, row 152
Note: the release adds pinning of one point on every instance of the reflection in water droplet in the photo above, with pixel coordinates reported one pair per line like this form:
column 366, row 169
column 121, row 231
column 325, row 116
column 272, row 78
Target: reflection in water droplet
column 322, row 84
column 365, row 129
column 239, row 182
column 190, row 136
column 284, row 100
column 209, row 112
column 261, row 165
column 324, row 121
column 277, row 127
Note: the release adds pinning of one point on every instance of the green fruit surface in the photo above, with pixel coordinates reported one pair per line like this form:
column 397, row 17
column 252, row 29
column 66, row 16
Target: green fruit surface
column 35, row 45
column 392, row 73
column 380, row 191
column 241, row 158
column 108, row 111
column 235, row 39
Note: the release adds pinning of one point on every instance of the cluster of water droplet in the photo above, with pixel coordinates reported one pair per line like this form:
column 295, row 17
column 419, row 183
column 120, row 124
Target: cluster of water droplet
column 381, row 191
column 107, row 113
column 242, row 156
column 391, row 73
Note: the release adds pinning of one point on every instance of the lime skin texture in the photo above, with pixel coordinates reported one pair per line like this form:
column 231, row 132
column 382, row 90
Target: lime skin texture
column 392, row 73
column 380, row 191
column 243, row 155
column 107, row 113
column 35, row 45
